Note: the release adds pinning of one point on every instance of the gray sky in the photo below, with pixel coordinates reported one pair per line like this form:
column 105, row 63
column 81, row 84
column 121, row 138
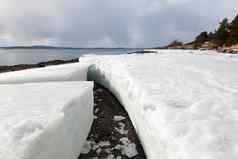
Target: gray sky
column 108, row 23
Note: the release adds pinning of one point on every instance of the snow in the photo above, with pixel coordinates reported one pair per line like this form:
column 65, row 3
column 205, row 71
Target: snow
column 121, row 129
column 118, row 118
column 128, row 148
column 183, row 104
column 44, row 120
column 92, row 145
column 67, row 72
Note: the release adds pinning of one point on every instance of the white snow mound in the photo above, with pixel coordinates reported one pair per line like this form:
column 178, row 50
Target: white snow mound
column 183, row 104
column 67, row 72
column 44, row 120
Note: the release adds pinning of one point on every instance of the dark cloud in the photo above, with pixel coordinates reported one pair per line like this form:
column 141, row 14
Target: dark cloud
column 88, row 23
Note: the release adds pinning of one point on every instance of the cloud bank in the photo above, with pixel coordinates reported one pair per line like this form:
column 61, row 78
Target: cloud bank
column 107, row 23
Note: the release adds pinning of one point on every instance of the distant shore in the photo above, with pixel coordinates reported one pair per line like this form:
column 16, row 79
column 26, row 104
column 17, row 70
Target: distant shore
column 8, row 68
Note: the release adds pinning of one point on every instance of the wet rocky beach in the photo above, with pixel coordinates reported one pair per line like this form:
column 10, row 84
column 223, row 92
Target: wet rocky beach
column 112, row 134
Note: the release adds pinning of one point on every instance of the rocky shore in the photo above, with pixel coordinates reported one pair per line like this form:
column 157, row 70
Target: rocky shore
column 112, row 134
column 41, row 64
column 232, row 49
column 206, row 46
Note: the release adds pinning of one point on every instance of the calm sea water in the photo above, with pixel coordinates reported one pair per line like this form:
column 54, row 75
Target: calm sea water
column 32, row 56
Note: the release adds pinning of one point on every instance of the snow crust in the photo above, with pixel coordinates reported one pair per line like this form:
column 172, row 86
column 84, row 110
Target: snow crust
column 67, row 72
column 44, row 120
column 183, row 104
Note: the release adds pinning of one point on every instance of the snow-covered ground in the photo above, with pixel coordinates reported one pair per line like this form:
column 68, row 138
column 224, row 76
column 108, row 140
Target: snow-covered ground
column 67, row 72
column 183, row 104
column 44, row 120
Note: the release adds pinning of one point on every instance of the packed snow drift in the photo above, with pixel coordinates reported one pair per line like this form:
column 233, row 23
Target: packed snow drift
column 183, row 104
column 44, row 121
column 67, row 72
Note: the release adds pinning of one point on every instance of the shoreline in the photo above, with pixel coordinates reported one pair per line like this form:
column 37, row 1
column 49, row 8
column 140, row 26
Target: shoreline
column 19, row 67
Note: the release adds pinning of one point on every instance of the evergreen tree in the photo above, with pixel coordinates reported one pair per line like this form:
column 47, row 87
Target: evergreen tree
column 211, row 36
column 227, row 33
column 233, row 37
column 222, row 34
column 200, row 39
column 175, row 43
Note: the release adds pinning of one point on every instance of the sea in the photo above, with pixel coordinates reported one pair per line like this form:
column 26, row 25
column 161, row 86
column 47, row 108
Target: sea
column 16, row 56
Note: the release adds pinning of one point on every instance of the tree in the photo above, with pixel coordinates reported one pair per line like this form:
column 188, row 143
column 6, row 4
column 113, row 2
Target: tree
column 175, row 43
column 222, row 33
column 200, row 39
column 211, row 36
column 233, row 37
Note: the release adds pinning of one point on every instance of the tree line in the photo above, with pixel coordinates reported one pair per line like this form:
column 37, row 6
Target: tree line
column 225, row 35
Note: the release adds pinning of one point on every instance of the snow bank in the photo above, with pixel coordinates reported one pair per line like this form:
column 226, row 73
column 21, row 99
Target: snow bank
column 67, row 72
column 44, row 120
column 183, row 104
